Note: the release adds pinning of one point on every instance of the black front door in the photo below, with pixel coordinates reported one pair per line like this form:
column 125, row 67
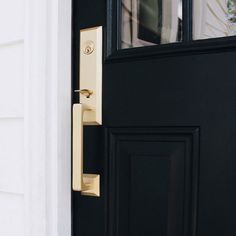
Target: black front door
column 166, row 151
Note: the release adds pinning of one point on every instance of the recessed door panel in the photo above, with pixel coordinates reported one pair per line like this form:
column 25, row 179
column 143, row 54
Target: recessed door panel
column 153, row 181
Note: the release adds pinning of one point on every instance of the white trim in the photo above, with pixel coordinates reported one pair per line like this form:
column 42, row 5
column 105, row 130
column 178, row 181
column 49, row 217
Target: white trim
column 47, row 117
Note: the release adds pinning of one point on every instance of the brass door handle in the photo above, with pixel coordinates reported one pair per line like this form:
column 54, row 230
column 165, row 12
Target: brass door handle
column 89, row 110
column 87, row 184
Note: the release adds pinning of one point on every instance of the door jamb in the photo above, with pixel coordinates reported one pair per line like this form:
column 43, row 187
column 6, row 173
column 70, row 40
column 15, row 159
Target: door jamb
column 47, row 124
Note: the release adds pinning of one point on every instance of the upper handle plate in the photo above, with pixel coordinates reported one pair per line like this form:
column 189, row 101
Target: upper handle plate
column 91, row 74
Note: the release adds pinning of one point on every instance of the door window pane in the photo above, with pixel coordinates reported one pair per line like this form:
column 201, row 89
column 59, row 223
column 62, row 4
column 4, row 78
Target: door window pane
column 214, row 18
column 150, row 22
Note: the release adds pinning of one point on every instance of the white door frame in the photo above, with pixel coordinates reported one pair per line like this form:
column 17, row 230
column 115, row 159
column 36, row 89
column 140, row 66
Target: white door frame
column 47, row 107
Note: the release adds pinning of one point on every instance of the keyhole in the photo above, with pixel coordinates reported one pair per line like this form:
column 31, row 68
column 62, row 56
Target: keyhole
column 88, row 50
column 88, row 47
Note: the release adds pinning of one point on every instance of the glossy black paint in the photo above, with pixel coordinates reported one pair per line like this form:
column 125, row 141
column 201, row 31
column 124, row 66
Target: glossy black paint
column 153, row 175
column 171, row 103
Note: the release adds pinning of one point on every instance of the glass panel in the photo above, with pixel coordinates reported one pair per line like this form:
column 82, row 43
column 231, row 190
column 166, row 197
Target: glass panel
column 214, row 18
column 150, row 22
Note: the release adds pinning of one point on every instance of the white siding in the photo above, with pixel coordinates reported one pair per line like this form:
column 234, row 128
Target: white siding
column 11, row 156
column 35, row 106
column 11, row 80
column 12, row 197
column 11, row 20
column 12, row 214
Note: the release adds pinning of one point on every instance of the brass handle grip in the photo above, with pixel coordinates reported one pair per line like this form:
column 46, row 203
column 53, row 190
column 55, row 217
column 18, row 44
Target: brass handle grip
column 87, row 184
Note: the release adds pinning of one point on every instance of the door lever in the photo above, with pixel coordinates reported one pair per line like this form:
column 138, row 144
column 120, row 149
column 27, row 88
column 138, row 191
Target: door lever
column 86, row 92
column 88, row 184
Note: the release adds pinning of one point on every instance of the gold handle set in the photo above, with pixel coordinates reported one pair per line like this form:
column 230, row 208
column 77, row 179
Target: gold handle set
column 89, row 110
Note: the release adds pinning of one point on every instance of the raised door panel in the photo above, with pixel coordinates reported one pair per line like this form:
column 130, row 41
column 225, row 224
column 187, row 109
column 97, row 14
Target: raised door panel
column 153, row 181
